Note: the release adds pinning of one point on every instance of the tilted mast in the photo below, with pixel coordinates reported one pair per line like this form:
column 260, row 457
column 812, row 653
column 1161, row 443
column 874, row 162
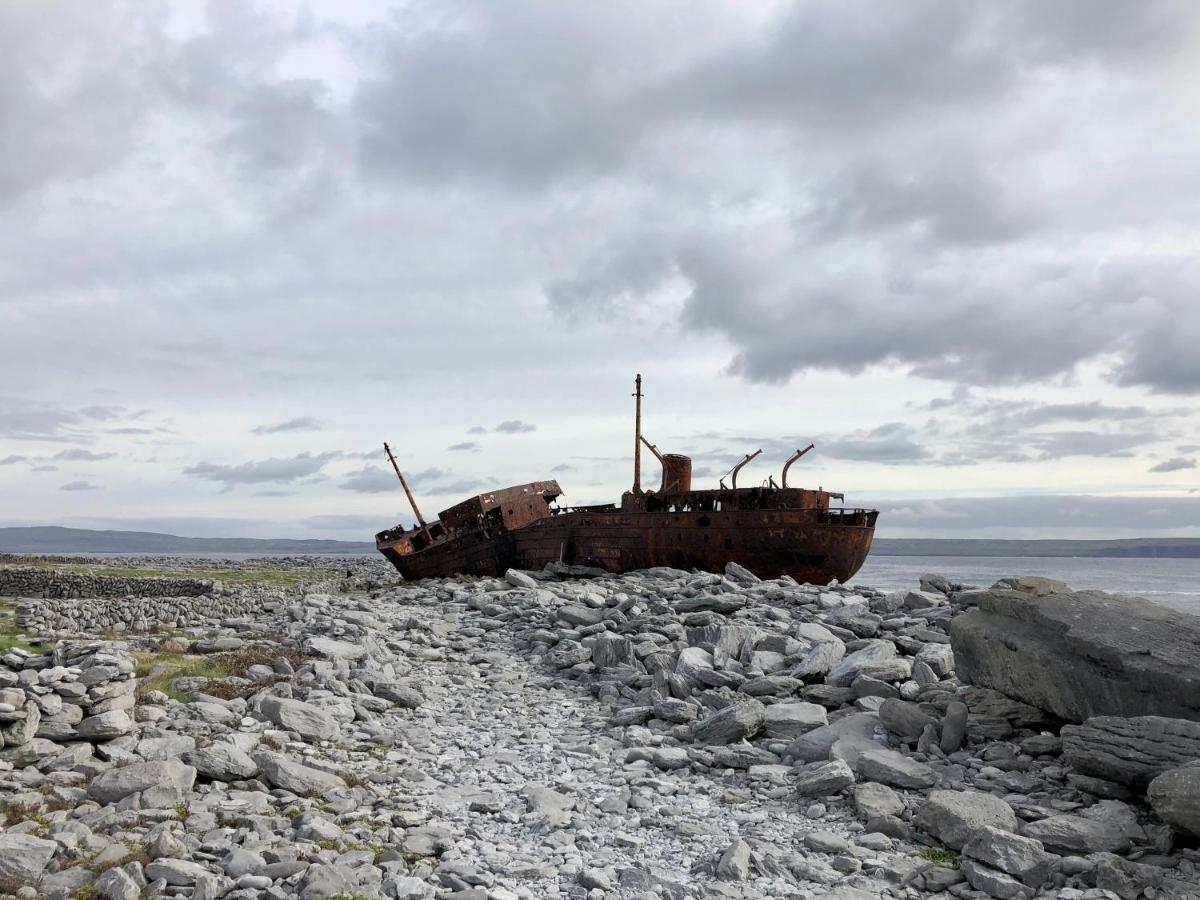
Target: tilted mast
column 412, row 501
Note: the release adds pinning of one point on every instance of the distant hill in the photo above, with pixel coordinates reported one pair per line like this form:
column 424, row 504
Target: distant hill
column 1176, row 548
column 51, row 539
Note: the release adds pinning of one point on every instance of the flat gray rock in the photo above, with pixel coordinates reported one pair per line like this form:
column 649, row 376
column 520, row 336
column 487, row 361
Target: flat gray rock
column 733, row 723
column 308, row 721
column 816, row 744
column 1084, row 654
column 1067, row 834
column 113, row 785
column 955, row 817
column 823, row 779
column 787, row 721
column 1024, row 858
column 894, row 769
column 290, row 775
column 222, row 761
column 23, row 859
column 1175, row 796
column 1130, row 751
column 334, row 649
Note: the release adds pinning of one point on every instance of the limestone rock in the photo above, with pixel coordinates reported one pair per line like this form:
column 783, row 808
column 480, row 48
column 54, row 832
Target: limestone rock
column 292, row 776
column 874, row 801
column 113, row 785
column 990, row 881
column 823, row 779
column 786, row 721
column 1175, row 796
column 1130, row 751
column 222, row 761
column 903, row 719
column 1067, row 834
column 955, row 817
column 733, row 723
column 1082, row 654
column 895, row 769
column 816, row 744
column 23, row 859
column 1022, row 857
column 874, row 655
column 308, row 721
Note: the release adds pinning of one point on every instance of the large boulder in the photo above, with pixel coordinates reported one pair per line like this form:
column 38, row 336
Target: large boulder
column 1022, row 857
column 956, row 817
column 1175, row 796
column 733, row 723
column 23, row 859
column 114, row 785
column 1082, row 654
column 290, row 775
column 1130, row 751
column 308, row 721
column 1067, row 834
column 816, row 745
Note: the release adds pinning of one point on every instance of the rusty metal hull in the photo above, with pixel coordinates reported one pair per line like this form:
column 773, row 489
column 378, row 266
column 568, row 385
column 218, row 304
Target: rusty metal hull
column 770, row 543
column 807, row 544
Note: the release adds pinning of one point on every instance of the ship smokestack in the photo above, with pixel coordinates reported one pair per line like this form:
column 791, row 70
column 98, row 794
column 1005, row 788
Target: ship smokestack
column 676, row 473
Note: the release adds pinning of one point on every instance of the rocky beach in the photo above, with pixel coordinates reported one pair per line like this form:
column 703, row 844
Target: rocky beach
column 324, row 730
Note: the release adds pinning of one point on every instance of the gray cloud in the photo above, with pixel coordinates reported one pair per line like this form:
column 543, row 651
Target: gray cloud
column 1039, row 515
column 305, row 423
column 514, row 426
column 45, row 468
column 79, row 486
column 273, row 470
column 563, row 467
column 77, row 454
column 464, row 445
column 476, row 429
column 1174, row 464
column 380, row 480
column 12, row 459
column 893, row 442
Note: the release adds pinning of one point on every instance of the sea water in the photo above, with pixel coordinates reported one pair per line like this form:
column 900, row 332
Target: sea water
column 1174, row 582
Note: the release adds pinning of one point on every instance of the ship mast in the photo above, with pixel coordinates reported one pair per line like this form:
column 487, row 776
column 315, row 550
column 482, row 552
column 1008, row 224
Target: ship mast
column 404, row 484
column 637, row 438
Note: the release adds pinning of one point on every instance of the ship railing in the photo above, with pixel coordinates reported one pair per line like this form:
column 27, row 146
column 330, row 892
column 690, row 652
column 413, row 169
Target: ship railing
column 844, row 515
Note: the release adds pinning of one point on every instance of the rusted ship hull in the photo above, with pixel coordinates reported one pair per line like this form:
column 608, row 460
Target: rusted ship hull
column 773, row 530
column 814, row 546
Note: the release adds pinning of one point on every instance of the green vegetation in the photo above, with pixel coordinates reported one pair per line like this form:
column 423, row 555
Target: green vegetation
column 86, row 892
column 9, row 636
column 183, row 665
column 240, row 574
column 939, row 856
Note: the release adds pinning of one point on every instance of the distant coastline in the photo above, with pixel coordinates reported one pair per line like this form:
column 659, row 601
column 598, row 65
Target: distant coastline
column 50, row 539
column 53, row 539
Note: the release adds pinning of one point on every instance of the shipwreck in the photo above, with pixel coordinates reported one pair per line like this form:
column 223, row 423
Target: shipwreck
column 771, row 529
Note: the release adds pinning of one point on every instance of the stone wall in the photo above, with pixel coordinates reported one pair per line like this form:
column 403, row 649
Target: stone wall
column 20, row 582
column 99, row 614
column 84, row 690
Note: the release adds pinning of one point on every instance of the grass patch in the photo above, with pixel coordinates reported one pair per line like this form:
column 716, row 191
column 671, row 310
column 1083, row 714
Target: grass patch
column 9, row 636
column 16, row 813
column 240, row 574
column 939, row 856
column 184, row 665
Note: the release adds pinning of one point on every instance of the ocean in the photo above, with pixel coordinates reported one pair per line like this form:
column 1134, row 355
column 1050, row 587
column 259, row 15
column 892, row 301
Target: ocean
column 1173, row 582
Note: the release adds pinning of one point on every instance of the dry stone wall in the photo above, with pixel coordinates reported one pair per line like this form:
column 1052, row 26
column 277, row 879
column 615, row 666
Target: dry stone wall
column 84, row 690
column 21, row 582
column 100, row 614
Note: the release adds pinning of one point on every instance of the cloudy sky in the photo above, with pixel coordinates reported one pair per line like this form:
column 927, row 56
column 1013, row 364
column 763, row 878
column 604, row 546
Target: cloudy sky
column 956, row 244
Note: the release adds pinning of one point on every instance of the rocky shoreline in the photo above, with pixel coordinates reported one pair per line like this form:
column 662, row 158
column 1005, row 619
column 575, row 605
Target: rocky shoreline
column 572, row 734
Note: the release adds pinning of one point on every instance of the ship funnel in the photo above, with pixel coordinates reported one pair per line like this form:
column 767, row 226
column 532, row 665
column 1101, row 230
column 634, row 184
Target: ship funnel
column 676, row 474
